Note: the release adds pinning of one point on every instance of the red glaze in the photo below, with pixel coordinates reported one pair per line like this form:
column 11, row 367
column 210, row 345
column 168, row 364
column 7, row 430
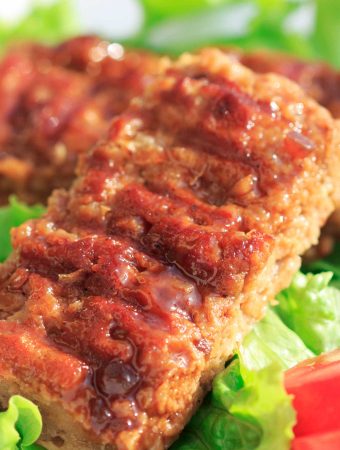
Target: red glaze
column 56, row 103
column 148, row 271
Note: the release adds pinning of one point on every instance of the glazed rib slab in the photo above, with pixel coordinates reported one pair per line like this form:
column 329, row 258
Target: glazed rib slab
column 320, row 81
column 56, row 103
column 120, row 305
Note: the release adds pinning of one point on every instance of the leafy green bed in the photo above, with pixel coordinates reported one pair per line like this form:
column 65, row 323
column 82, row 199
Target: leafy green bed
column 182, row 25
column 248, row 407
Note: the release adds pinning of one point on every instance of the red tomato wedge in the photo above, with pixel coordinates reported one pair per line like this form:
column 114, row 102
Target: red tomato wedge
column 315, row 385
column 327, row 441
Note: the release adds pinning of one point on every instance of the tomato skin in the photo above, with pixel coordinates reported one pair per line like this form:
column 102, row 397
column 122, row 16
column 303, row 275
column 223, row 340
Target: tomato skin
column 327, row 441
column 315, row 385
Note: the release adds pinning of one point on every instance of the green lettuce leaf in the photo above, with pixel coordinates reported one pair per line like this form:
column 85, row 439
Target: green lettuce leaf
column 9, row 436
column 327, row 30
column 11, row 216
column 248, row 407
column 214, row 428
column 156, row 10
column 45, row 22
column 331, row 263
column 272, row 341
column 183, row 25
column 247, row 410
column 311, row 308
column 265, row 399
column 20, row 425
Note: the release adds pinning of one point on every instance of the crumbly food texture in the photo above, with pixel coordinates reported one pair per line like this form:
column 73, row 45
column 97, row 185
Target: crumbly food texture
column 321, row 82
column 318, row 79
column 56, row 102
column 120, row 305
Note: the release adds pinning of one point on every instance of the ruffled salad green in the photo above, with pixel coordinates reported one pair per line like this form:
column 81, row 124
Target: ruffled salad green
column 20, row 425
column 11, row 216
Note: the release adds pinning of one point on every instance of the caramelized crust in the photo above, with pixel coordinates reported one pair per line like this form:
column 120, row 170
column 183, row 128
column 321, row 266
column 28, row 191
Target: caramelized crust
column 121, row 304
column 321, row 82
column 318, row 79
column 56, row 103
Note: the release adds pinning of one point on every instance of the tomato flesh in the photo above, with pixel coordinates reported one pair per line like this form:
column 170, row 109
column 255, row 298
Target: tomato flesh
column 315, row 385
column 326, row 441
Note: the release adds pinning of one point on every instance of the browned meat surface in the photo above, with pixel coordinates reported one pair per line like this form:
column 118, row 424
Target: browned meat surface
column 121, row 304
column 321, row 82
column 318, row 79
column 56, row 103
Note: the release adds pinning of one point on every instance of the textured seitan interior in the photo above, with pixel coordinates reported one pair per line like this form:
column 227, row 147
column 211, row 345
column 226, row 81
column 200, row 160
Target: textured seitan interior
column 320, row 81
column 121, row 304
column 55, row 104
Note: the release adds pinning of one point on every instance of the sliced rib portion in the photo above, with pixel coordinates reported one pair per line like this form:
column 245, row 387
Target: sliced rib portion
column 318, row 79
column 56, row 103
column 321, row 82
column 122, row 303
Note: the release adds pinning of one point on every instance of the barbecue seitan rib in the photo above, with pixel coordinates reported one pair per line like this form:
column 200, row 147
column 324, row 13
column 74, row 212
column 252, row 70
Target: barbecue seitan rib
column 317, row 79
column 56, row 103
column 321, row 82
column 121, row 304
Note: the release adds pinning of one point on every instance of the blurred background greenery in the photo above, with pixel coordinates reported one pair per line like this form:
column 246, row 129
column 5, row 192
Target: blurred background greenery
column 307, row 28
